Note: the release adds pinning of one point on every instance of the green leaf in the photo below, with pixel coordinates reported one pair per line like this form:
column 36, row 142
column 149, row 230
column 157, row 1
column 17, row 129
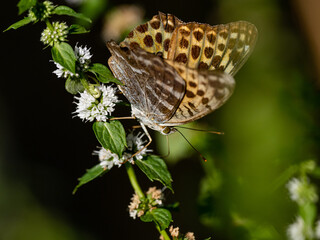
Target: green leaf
column 103, row 74
column 91, row 174
column 111, row 135
column 162, row 217
column 64, row 10
column 24, row 5
column 155, row 169
column 20, row 23
column 207, row 238
column 63, row 54
column 74, row 86
column 77, row 29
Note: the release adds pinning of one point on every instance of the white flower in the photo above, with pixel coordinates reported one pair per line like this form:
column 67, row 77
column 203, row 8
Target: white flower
column 133, row 214
column 83, row 56
column 302, row 192
column 61, row 71
column 90, row 108
column 106, row 157
column 295, row 230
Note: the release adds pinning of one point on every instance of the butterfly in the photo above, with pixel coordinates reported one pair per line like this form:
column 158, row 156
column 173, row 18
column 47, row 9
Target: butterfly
column 174, row 72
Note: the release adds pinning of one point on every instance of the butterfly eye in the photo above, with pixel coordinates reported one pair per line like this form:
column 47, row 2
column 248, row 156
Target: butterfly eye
column 166, row 130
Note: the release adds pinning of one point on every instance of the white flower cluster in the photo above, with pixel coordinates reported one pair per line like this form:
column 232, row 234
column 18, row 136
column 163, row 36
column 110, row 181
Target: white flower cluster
column 83, row 56
column 134, row 142
column 300, row 231
column 57, row 34
column 90, row 108
column 302, row 192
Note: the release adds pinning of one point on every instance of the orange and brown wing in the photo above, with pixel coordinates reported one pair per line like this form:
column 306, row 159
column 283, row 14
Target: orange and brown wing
column 205, row 92
column 153, row 36
column 224, row 47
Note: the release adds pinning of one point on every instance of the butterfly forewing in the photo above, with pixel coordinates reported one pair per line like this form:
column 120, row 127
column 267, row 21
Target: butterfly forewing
column 205, row 92
column 154, row 36
column 224, row 47
column 151, row 85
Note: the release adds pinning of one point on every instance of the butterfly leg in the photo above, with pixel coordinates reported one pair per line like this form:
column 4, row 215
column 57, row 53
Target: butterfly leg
column 149, row 137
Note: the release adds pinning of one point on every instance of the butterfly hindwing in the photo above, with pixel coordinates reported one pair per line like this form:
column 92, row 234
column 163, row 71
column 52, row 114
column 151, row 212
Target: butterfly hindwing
column 205, row 92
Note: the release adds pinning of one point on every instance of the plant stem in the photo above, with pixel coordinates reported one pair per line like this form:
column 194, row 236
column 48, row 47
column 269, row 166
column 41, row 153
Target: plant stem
column 49, row 25
column 133, row 180
column 163, row 234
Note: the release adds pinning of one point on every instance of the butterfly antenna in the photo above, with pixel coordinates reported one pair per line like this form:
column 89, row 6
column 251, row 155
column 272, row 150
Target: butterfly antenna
column 202, row 130
column 204, row 159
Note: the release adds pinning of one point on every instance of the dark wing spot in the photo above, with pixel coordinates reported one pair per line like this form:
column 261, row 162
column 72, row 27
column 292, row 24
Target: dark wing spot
column 203, row 65
column 195, row 51
column 142, row 28
column 134, row 45
column 221, row 46
column 211, row 38
column 184, row 32
column 216, row 84
column 208, row 52
column 218, row 95
column 155, row 24
column 192, row 105
column 182, row 57
column 166, row 44
column 232, row 43
column 240, row 44
column 223, row 34
column 192, row 84
column 216, row 60
column 190, row 94
column 148, row 41
column 159, row 37
column 205, row 100
column 200, row 93
column 130, row 35
column 221, row 68
column 184, row 43
column 198, row 35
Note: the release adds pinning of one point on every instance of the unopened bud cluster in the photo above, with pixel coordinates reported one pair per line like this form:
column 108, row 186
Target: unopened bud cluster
column 139, row 206
column 41, row 11
column 58, row 33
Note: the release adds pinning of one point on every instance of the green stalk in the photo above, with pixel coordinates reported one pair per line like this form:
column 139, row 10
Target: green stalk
column 48, row 23
column 163, row 234
column 133, row 180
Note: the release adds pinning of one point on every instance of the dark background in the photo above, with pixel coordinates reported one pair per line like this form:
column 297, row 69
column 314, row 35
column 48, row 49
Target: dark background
column 271, row 122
